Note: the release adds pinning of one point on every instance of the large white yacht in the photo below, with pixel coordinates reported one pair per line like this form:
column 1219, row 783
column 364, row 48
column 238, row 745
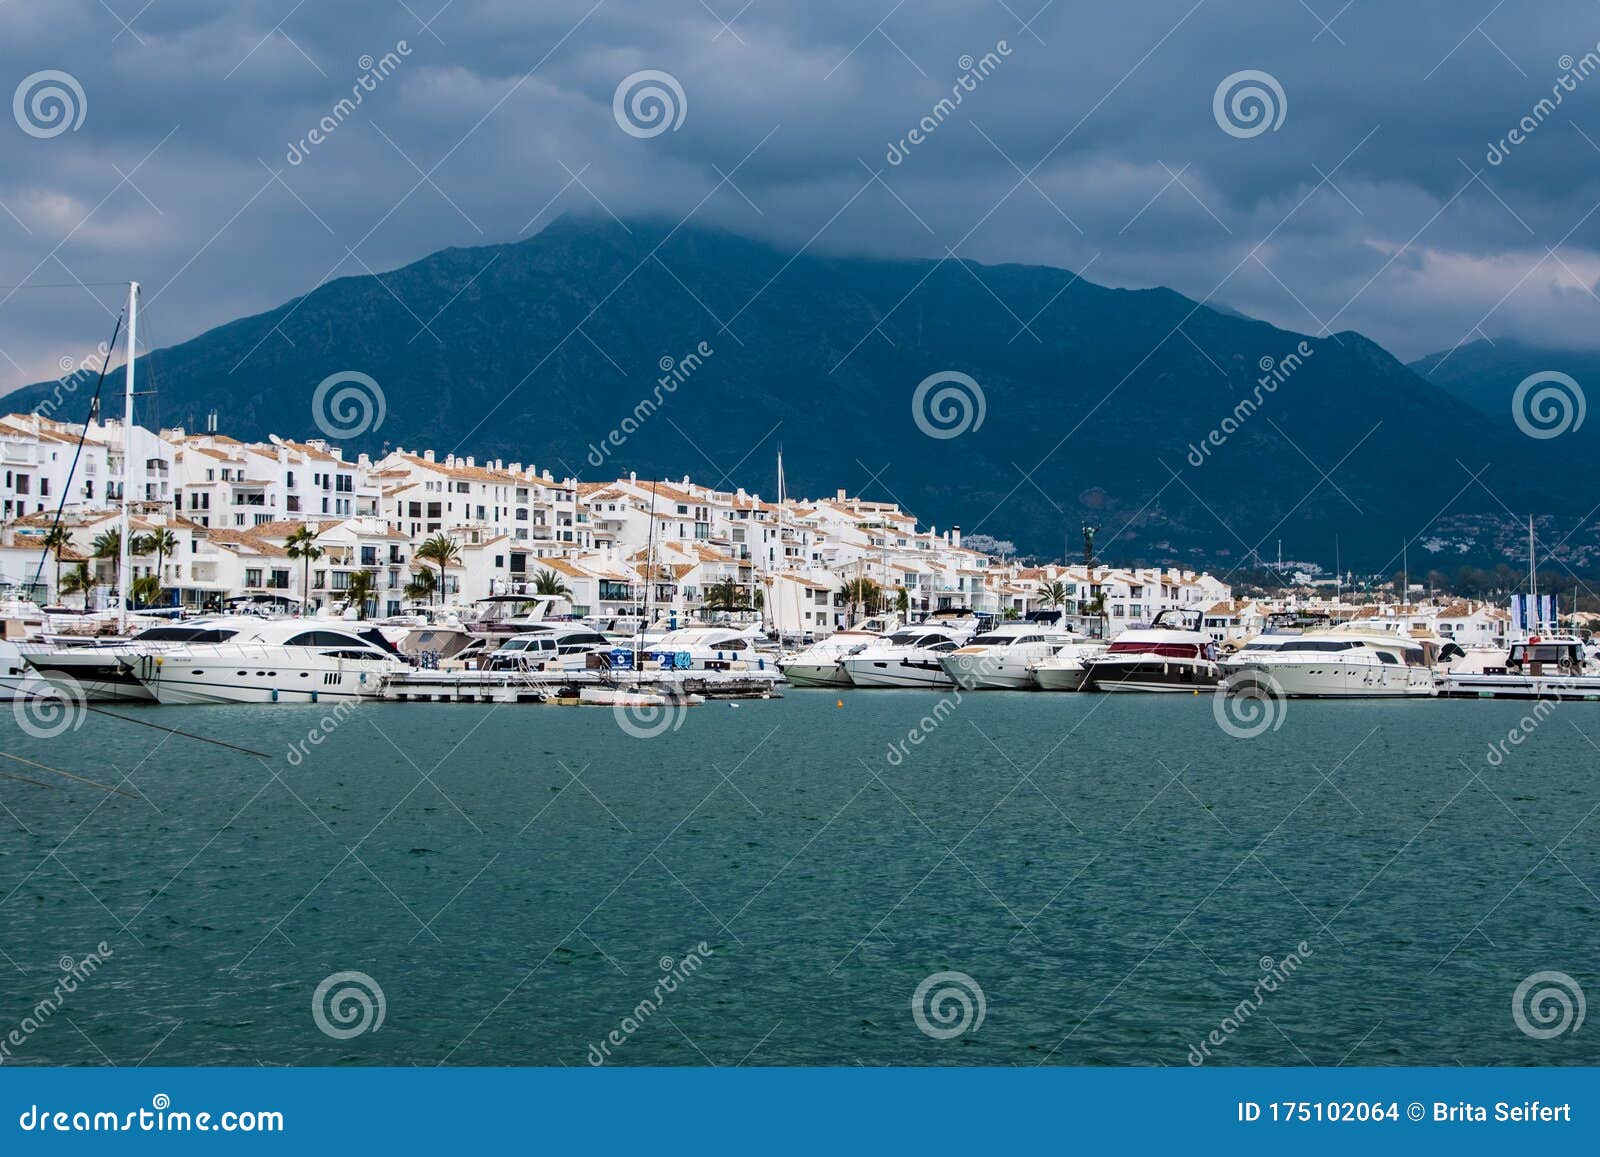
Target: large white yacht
column 819, row 664
column 104, row 671
column 1068, row 668
column 1171, row 654
column 1342, row 662
column 907, row 658
column 273, row 661
column 1002, row 658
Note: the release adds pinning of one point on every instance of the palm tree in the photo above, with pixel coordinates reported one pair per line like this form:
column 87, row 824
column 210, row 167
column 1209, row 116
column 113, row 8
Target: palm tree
column 82, row 581
column 862, row 592
column 902, row 601
column 359, row 591
column 420, row 588
column 443, row 551
column 1054, row 594
column 725, row 595
column 108, row 544
column 56, row 540
column 159, row 543
column 1095, row 608
column 548, row 582
column 146, row 591
column 302, row 544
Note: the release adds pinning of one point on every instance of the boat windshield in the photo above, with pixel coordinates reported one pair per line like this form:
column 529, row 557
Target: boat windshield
column 1165, row 650
column 185, row 635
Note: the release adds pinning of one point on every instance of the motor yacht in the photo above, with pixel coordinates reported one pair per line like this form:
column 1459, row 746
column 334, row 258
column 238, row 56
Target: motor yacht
column 273, row 661
column 1002, row 658
column 819, row 664
column 1068, row 668
column 104, row 671
column 1342, row 662
column 1171, row 654
column 1548, row 665
column 907, row 658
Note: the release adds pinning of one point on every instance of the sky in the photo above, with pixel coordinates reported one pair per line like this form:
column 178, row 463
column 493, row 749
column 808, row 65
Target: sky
column 1375, row 185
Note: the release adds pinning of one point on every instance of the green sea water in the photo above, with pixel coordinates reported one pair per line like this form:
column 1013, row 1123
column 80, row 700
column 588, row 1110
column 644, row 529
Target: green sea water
column 1112, row 877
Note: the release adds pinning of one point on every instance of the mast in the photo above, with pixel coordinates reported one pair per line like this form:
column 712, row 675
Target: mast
column 124, row 559
column 1533, row 580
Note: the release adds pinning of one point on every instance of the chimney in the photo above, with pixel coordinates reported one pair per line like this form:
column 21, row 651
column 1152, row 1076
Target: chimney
column 633, row 476
column 955, row 536
column 427, row 456
column 839, row 494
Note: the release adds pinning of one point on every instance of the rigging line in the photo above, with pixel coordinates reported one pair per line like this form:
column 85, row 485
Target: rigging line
column 69, row 775
column 65, row 285
column 66, row 489
column 25, row 779
column 175, row 731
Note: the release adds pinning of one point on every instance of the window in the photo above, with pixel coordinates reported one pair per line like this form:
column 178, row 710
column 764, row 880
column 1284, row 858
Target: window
column 252, row 577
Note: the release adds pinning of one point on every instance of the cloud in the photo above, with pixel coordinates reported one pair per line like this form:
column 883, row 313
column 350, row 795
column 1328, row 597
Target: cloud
column 1092, row 145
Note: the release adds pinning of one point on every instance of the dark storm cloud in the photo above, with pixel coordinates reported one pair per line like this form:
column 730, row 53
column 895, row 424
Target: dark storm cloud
column 1091, row 144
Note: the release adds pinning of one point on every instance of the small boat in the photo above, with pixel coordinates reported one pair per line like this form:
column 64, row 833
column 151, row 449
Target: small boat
column 635, row 697
column 1551, row 665
column 1171, row 654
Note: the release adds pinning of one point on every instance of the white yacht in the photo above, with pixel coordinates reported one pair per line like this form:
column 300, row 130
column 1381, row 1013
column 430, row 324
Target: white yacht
column 1068, row 668
column 103, row 671
column 1342, row 662
column 1171, row 654
column 1548, row 665
column 1002, row 658
column 819, row 665
column 17, row 679
column 907, row 658
column 273, row 661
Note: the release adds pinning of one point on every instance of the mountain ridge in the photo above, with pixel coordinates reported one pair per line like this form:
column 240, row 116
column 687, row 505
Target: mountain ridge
column 1094, row 398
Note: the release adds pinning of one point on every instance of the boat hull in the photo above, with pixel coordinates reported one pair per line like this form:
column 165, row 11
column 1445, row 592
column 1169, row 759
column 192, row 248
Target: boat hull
column 906, row 673
column 1060, row 678
column 1325, row 680
column 987, row 672
column 816, row 674
column 187, row 680
column 1158, row 675
column 1566, row 687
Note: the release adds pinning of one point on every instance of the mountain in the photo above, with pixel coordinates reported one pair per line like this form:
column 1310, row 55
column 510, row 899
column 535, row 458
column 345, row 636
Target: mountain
column 1485, row 375
column 1120, row 408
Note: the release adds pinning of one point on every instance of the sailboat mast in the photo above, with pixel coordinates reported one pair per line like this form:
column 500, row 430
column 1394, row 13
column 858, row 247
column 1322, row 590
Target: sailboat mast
column 1533, row 579
column 124, row 558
